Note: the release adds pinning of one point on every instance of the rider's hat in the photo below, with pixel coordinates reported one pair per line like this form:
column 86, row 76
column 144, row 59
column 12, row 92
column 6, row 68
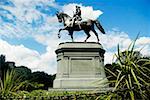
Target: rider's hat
column 77, row 6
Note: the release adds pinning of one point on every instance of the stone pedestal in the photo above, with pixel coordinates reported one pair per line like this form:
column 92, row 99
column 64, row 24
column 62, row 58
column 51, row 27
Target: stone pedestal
column 80, row 65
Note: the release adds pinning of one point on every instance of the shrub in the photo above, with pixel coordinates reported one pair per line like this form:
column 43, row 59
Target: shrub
column 130, row 75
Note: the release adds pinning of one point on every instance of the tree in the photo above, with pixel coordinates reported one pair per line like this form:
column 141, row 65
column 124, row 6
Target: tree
column 2, row 65
column 42, row 78
column 23, row 72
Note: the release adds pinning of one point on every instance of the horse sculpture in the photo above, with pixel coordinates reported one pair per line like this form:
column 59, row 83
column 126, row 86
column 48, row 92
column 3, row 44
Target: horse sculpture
column 86, row 26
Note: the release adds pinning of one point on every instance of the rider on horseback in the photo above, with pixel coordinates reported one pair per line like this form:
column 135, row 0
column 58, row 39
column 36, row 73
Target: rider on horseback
column 77, row 17
column 87, row 25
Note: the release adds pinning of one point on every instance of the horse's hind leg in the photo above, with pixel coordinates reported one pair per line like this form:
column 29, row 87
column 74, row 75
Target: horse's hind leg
column 71, row 34
column 96, row 35
column 88, row 35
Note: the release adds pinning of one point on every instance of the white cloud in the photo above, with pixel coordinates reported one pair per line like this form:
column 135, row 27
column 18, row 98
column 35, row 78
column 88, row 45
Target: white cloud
column 87, row 11
column 143, row 40
column 108, row 57
column 25, row 13
column 146, row 50
column 28, row 57
column 25, row 10
column 143, row 44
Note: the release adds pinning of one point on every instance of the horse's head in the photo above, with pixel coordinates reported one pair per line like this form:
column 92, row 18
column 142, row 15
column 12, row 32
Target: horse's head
column 62, row 16
column 59, row 16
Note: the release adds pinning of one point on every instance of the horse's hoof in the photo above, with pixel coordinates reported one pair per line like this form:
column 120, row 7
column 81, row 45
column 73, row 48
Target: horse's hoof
column 97, row 41
column 58, row 36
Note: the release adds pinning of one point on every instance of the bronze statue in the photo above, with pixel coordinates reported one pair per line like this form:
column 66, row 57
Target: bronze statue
column 75, row 24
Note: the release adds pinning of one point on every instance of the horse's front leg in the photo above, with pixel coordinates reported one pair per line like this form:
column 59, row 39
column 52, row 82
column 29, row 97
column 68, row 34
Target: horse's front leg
column 61, row 30
column 59, row 33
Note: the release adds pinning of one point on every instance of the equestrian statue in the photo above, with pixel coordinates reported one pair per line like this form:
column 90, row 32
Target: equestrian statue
column 75, row 23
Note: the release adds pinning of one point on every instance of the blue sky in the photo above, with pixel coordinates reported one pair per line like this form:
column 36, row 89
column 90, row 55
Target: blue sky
column 131, row 16
column 31, row 26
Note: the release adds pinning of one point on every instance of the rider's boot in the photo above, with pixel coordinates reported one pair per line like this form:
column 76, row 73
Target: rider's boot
column 79, row 25
column 73, row 21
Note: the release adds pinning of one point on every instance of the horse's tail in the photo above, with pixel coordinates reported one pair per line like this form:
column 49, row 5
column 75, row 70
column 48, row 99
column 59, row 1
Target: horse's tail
column 99, row 26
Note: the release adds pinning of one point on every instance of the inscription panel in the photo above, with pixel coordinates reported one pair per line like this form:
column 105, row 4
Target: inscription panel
column 82, row 65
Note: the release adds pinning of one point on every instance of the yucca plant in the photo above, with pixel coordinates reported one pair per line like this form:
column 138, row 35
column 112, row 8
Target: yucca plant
column 131, row 75
column 9, row 84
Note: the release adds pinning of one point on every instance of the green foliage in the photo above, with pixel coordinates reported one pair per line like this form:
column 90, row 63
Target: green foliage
column 3, row 66
column 130, row 75
column 31, row 81
column 10, row 83
column 2, row 60
column 42, row 78
column 53, row 95
column 35, row 80
column 23, row 72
